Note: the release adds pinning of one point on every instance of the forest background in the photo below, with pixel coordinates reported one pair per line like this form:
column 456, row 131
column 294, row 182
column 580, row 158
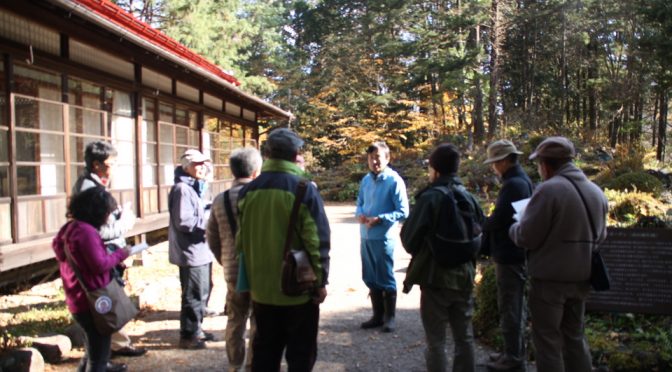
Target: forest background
column 413, row 71
column 418, row 72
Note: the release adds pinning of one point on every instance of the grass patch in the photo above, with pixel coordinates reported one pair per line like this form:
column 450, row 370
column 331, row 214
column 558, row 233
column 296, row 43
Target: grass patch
column 38, row 320
column 34, row 320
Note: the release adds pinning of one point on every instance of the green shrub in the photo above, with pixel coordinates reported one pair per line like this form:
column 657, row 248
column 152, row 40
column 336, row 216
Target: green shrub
column 486, row 318
column 630, row 342
column 347, row 193
column 630, row 209
column 640, row 181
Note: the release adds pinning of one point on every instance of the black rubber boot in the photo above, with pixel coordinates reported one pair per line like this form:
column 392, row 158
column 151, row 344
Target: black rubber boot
column 390, row 309
column 378, row 309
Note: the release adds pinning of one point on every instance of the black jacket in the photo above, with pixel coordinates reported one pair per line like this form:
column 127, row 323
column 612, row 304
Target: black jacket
column 516, row 185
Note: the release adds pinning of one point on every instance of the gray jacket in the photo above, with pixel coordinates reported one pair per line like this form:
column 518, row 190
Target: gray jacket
column 555, row 230
column 186, row 228
column 118, row 223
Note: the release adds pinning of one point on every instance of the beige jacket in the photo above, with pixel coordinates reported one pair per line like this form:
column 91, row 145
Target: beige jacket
column 555, row 230
column 218, row 232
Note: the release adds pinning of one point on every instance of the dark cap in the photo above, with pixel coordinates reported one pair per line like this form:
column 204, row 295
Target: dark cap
column 284, row 140
column 554, row 148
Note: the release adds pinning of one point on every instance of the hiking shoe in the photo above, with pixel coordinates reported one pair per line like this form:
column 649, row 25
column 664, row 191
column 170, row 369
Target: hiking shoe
column 129, row 351
column 193, row 343
column 372, row 323
column 494, row 356
column 505, row 364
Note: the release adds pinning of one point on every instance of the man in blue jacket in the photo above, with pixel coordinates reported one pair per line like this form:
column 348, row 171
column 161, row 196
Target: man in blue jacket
column 187, row 247
column 509, row 258
column 381, row 203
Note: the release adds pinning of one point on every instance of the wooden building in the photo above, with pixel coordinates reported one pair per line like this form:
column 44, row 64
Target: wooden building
column 75, row 71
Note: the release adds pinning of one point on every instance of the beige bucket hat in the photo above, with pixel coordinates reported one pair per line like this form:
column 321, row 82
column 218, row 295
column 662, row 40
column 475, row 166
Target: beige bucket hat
column 498, row 150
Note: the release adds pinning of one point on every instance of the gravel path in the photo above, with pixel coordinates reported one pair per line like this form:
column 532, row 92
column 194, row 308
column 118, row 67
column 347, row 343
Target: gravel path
column 343, row 346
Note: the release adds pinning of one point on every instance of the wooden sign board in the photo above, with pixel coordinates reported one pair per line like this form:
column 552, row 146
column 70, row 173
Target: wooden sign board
column 640, row 264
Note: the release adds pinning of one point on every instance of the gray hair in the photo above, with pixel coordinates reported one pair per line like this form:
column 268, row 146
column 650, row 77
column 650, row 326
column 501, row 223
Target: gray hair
column 244, row 161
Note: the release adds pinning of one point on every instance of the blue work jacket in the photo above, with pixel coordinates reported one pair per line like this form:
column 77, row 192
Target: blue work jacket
column 384, row 196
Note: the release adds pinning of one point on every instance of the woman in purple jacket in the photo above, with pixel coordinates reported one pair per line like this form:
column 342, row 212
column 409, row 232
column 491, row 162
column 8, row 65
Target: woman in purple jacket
column 89, row 211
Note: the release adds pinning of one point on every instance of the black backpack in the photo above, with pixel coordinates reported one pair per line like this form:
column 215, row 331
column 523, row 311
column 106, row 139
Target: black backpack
column 457, row 237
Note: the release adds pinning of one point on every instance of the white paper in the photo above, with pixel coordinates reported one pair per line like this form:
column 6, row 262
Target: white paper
column 138, row 248
column 519, row 206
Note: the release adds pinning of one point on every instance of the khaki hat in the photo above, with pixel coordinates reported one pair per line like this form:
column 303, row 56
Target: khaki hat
column 498, row 150
column 193, row 156
column 554, row 148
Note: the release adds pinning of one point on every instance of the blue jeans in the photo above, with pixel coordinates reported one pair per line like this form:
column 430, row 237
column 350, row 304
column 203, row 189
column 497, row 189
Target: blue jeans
column 195, row 282
column 96, row 346
column 378, row 265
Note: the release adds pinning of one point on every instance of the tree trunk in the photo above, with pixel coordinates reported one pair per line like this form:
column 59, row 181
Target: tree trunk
column 461, row 116
column 615, row 128
column 495, row 41
column 584, row 100
column 662, row 126
column 637, row 116
column 654, row 126
column 592, row 92
column 477, row 112
column 564, row 109
column 432, row 93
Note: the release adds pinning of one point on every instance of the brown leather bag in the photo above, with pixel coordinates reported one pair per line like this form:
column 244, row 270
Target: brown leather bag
column 298, row 275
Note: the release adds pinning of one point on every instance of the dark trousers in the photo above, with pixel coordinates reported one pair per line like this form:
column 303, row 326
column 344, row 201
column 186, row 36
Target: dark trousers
column 195, row 282
column 511, row 304
column 290, row 327
column 96, row 346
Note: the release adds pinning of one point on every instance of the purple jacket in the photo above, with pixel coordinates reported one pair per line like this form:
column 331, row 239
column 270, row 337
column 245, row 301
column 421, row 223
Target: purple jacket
column 92, row 260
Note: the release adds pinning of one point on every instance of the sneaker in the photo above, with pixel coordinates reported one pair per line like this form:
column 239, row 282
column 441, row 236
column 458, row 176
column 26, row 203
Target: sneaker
column 211, row 312
column 193, row 343
column 207, row 336
column 116, row 367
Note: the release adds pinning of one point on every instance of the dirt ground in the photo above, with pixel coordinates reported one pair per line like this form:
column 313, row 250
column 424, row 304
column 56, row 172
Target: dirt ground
column 343, row 346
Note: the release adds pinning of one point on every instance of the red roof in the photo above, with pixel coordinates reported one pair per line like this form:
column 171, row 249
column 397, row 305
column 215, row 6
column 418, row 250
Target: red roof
column 125, row 19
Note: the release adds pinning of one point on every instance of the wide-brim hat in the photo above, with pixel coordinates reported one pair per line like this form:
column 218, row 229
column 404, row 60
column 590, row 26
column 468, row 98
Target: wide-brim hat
column 499, row 150
column 554, row 148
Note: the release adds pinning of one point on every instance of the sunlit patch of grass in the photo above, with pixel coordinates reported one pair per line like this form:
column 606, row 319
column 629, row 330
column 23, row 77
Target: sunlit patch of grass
column 40, row 319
